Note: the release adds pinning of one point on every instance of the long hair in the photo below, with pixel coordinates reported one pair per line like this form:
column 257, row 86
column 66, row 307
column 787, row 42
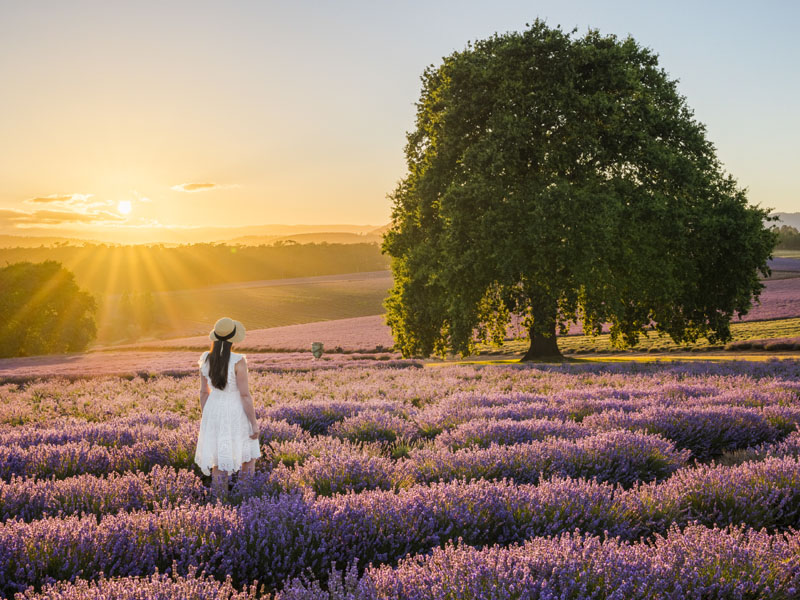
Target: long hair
column 218, row 358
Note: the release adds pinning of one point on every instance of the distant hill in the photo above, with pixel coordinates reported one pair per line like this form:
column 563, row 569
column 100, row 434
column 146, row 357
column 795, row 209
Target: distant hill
column 790, row 219
column 255, row 235
column 34, row 241
column 325, row 237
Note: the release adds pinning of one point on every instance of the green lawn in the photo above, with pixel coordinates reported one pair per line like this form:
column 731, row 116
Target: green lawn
column 580, row 344
column 787, row 253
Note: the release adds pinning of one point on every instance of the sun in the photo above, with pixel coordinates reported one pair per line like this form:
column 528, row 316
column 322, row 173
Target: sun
column 124, row 207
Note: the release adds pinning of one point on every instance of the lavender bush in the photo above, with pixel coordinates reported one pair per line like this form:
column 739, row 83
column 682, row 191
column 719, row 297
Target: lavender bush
column 695, row 564
column 616, row 456
column 483, row 432
column 707, row 432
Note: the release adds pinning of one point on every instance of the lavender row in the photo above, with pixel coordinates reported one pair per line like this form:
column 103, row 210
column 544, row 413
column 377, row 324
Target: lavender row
column 339, row 466
column 696, row 563
column 329, row 466
column 707, row 432
column 29, row 499
column 158, row 586
column 175, row 447
column 273, row 538
column 616, row 456
column 683, row 564
column 468, row 420
column 119, row 432
column 712, row 494
column 740, row 383
column 482, row 433
column 78, row 458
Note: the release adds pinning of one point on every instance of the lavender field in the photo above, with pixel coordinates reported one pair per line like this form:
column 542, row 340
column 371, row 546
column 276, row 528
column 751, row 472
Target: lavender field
column 387, row 480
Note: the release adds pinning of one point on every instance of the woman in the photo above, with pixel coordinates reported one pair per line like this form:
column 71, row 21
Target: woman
column 228, row 438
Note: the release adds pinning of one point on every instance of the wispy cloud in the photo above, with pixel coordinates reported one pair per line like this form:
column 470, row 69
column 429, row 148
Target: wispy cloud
column 139, row 197
column 57, row 199
column 79, row 202
column 196, row 187
column 61, row 209
column 52, row 218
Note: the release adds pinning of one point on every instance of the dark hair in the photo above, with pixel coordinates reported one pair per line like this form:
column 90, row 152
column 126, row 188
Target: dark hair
column 218, row 358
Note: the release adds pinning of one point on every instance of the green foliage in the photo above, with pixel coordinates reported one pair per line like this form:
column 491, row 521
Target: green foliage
column 562, row 177
column 788, row 238
column 43, row 310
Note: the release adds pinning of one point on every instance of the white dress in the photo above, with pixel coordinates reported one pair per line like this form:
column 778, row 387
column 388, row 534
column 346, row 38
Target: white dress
column 224, row 438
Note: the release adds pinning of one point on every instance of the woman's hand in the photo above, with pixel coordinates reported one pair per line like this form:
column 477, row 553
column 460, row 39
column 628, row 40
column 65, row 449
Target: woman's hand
column 256, row 432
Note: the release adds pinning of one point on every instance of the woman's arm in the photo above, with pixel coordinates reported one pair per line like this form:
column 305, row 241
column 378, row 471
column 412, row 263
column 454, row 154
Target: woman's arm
column 247, row 400
column 203, row 392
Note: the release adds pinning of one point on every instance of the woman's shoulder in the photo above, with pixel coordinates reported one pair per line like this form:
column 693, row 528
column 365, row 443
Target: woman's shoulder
column 202, row 358
column 236, row 357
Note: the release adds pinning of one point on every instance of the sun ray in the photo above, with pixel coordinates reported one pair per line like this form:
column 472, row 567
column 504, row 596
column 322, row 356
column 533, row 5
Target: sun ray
column 161, row 300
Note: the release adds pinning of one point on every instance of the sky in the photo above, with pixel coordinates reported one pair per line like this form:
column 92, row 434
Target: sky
column 129, row 116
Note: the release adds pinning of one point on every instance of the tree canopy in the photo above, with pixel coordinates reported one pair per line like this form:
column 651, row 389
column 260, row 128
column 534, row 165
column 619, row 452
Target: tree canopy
column 43, row 310
column 558, row 178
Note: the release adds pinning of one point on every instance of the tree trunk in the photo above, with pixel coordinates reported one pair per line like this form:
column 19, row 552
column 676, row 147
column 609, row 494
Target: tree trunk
column 543, row 346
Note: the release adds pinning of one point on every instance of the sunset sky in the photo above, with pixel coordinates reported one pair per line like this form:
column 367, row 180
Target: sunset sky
column 123, row 116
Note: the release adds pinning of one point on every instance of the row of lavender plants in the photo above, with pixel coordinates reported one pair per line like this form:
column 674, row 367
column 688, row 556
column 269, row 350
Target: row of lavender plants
column 328, row 466
column 327, row 472
column 733, row 383
column 695, row 563
column 126, row 445
column 274, row 538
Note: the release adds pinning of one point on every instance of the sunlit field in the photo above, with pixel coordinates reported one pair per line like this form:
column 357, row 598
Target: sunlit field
column 261, row 304
column 654, row 476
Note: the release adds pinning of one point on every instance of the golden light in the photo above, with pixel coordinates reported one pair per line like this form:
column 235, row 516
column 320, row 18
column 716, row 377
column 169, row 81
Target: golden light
column 124, row 207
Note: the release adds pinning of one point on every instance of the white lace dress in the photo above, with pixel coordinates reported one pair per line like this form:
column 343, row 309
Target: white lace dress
column 224, row 438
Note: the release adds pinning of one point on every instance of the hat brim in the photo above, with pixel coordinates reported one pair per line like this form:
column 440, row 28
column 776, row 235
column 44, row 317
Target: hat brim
column 240, row 333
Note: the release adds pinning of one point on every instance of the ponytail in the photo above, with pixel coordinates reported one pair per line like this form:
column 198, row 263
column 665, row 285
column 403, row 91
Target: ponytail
column 218, row 358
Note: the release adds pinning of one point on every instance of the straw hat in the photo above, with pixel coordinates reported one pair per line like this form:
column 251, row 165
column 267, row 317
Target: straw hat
column 224, row 327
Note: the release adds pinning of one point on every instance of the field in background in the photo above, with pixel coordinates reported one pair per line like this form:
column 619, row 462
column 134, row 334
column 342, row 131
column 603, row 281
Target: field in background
column 345, row 311
column 359, row 334
column 259, row 305
column 787, row 253
column 106, row 270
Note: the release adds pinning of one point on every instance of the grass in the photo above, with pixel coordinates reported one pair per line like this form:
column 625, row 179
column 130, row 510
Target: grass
column 787, row 253
column 628, row 357
column 581, row 344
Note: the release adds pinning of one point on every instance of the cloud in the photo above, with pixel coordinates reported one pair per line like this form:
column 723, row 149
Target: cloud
column 47, row 199
column 78, row 202
column 60, row 199
column 139, row 197
column 195, row 187
column 50, row 217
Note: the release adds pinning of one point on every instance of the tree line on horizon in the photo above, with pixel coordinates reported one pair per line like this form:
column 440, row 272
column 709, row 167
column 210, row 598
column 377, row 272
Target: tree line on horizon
column 788, row 238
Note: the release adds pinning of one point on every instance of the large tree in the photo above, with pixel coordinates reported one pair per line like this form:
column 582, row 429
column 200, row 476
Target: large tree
column 43, row 310
column 557, row 178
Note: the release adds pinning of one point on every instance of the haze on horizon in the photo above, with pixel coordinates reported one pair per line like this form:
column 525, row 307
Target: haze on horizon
column 133, row 120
